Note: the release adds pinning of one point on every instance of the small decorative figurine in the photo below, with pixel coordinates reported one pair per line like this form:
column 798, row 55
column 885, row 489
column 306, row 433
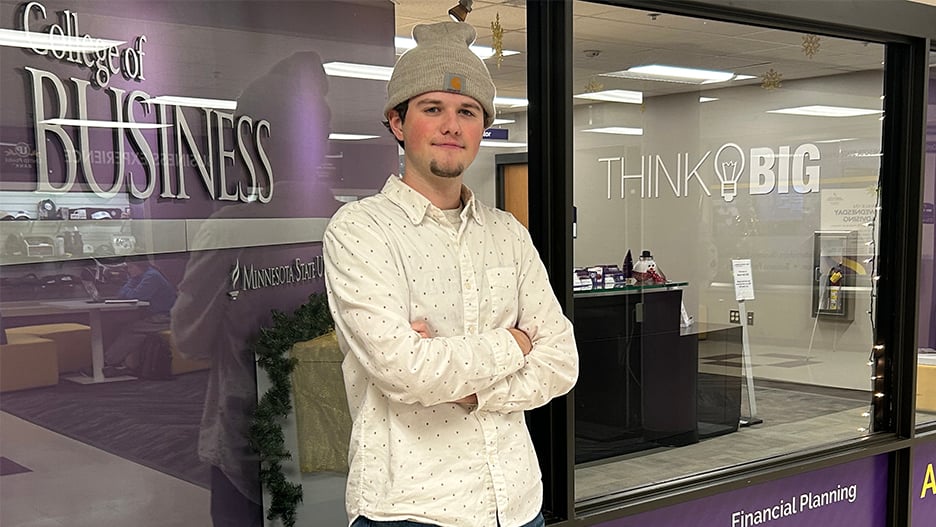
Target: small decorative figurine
column 646, row 271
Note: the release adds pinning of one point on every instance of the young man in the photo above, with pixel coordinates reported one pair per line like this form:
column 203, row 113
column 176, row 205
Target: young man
column 443, row 309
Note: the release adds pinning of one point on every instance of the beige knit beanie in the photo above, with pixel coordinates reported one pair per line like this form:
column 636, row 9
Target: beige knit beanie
column 441, row 61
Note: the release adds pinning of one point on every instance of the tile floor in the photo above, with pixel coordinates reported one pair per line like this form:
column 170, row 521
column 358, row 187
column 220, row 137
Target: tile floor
column 839, row 369
column 69, row 483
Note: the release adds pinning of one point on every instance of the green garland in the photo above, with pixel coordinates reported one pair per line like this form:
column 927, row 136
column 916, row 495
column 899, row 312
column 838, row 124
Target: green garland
column 271, row 349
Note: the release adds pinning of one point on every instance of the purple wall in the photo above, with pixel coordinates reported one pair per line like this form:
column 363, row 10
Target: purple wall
column 849, row 495
column 927, row 331
column 267, row 56
column 923, row 491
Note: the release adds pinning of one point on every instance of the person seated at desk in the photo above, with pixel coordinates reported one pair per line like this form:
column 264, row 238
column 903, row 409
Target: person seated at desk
column 148, row 284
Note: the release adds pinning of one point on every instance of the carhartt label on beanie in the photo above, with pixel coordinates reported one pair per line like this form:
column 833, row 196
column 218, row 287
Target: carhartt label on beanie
column 453, row 82
column 442, row 61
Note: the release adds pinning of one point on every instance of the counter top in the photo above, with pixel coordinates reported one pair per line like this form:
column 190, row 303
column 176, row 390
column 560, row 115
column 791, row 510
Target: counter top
column 28, row 308
column 631, row 289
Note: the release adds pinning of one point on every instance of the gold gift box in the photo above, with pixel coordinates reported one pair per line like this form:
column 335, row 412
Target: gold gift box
column 322, row 417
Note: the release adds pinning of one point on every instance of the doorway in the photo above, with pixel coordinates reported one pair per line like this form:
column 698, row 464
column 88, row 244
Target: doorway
column 512, row 189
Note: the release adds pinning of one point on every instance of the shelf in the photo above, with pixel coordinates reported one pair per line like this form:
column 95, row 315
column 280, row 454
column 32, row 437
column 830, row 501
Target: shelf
column 167, row 236
column 151, row 237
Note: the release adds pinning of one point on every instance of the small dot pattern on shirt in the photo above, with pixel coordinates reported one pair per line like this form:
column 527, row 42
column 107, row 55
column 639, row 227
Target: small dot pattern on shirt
column 392, row 260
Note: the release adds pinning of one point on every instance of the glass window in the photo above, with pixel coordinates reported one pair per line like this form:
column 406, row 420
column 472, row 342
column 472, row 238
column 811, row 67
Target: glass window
column 211, row 143
column 723, row 174
column 198, row 147
column 926, row 336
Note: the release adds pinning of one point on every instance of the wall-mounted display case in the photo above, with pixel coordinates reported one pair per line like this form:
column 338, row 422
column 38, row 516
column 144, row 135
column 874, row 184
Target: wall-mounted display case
column 39, row 241
column 834, row 272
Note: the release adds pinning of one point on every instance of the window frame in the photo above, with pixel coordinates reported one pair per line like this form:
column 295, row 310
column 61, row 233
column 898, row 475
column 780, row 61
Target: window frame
column 549, row 66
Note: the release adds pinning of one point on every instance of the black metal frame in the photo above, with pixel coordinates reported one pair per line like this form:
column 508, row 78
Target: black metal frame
column 549, row 69
column 549, row 27
column 904, row 143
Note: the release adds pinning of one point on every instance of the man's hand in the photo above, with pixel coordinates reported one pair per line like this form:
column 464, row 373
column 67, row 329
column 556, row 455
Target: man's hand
column 422, row 328
column 471, row 399
column 526, row 345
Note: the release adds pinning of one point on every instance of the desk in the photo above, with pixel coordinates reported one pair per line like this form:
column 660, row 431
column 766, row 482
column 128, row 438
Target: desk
column 34, row 308
column 646, row 382
column 719, row 377
column 637, row 386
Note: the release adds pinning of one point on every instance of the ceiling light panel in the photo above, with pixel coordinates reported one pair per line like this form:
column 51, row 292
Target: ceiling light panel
column 616, row 130
column 88, row 123
column 625, row 96
column 406, row 43
column 502, row 144
column 350, row 137
column 624, row 74
column 193, row 102
column 511, row 102
column 818, row 110
column 28, row 39
column 677, row 74
column 358, row 71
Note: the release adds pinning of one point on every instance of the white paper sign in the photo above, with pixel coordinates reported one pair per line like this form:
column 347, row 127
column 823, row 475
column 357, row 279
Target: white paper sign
column 846, row 209
column 743, row 279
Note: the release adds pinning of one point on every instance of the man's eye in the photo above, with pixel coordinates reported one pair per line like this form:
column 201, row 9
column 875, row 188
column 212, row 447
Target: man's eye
column 468, row 113
column 432, row 109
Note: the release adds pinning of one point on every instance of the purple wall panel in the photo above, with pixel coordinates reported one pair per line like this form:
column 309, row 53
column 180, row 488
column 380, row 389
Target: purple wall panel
column 927, row 331
column 848, row 495
column 923, row 491
column 267, row 56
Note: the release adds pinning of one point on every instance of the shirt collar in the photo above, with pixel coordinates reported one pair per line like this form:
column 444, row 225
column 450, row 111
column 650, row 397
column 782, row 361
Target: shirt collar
column 415, row 205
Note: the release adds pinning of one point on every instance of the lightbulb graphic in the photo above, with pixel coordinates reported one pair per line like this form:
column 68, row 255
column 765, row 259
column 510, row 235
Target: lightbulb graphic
column 729, row 171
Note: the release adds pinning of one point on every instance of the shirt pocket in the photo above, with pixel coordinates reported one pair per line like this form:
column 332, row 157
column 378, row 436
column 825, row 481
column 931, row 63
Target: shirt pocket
column 502, row 293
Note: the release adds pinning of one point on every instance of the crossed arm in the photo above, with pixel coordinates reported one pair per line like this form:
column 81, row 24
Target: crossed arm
column 504, row 369
column 523, row 340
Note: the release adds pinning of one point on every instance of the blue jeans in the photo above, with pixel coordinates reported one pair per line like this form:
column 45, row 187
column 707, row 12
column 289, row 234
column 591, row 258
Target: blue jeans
column 364, row 522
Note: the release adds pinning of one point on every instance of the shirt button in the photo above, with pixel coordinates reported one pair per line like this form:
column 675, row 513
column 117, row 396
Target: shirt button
column 471, row 329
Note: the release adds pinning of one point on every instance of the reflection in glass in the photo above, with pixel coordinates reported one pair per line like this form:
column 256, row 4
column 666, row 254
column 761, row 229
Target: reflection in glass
column 212, row 146
column 750, row 165
column 926, row 336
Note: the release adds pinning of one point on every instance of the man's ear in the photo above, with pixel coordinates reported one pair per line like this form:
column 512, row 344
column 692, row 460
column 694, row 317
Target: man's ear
column 396, row 124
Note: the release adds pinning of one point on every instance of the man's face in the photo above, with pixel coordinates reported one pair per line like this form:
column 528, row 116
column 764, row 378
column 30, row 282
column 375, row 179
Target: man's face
column 442, row 133
column 135, row 269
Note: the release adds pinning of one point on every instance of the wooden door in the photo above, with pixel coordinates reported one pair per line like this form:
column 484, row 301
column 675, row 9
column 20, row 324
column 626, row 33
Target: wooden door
column 516, row 199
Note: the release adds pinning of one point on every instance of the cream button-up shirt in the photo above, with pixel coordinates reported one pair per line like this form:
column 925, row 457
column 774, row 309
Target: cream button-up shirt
column 394, row 259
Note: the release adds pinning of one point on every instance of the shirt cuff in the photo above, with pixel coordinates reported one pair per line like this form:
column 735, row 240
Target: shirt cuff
column 509, row 358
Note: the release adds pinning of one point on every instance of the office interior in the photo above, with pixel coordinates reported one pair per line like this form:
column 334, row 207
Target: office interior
column 653, row 159
column 646, row 158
